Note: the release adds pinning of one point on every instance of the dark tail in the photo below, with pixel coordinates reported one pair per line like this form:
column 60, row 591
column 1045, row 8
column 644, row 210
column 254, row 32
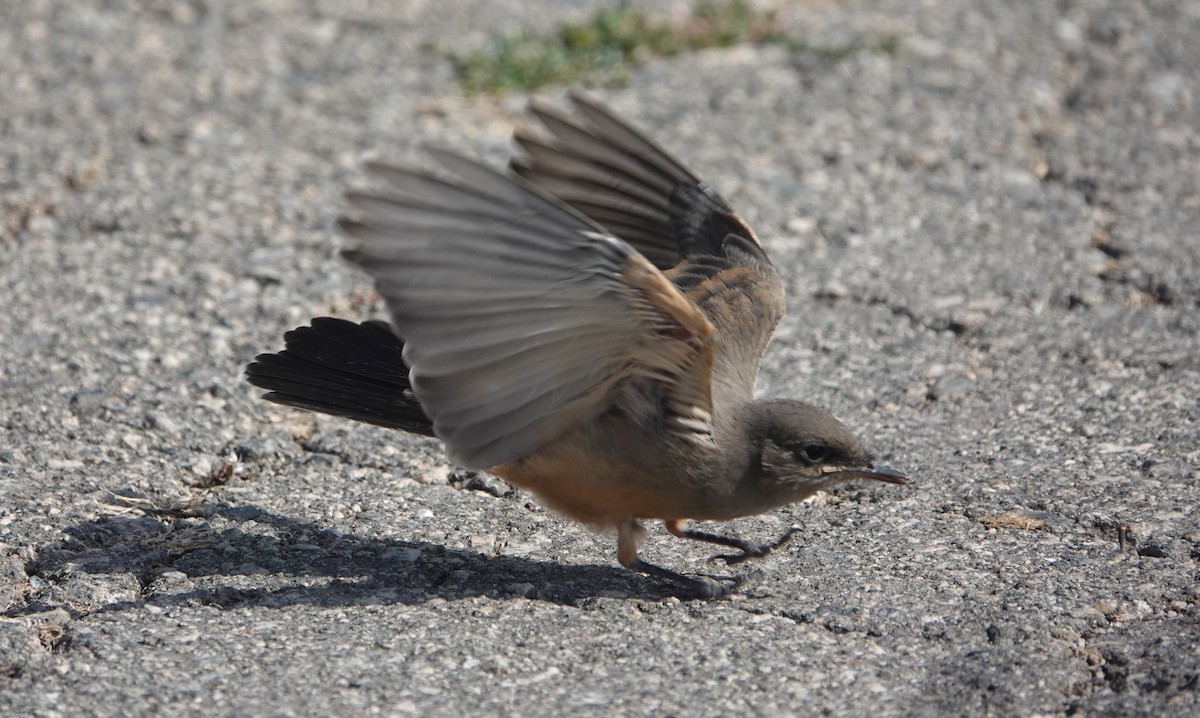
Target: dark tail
column 345, row 369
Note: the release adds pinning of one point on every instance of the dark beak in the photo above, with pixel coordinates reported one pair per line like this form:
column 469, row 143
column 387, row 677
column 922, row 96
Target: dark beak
column 878, row 472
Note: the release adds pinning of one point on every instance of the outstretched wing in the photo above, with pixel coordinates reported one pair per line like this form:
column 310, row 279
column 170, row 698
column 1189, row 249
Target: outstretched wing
column 613, row 175
column 606, row 170
column 519, row 317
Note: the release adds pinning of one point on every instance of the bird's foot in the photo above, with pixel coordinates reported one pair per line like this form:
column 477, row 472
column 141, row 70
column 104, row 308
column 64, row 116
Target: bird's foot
column 752, row 550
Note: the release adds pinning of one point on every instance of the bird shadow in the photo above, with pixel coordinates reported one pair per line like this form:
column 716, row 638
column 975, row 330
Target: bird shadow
column 259, row 558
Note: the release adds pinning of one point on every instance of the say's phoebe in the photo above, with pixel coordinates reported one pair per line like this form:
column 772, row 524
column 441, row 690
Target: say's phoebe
column 589, row 329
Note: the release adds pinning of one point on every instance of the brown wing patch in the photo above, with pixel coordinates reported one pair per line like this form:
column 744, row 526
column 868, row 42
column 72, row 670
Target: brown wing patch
column 690, row 324
column 742, row 297
column 685, row 359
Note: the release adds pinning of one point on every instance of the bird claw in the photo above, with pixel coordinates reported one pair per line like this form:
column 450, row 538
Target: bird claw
column 749, row 551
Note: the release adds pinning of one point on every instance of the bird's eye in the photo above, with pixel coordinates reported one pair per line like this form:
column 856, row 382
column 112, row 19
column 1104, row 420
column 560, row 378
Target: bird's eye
column 810, row 453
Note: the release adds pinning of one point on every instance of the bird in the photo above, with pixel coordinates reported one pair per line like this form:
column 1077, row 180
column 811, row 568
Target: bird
column 587, row 326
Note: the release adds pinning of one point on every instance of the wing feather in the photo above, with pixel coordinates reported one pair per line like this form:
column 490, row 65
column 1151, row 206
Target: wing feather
column 519, row 316
column 613, row 175
column 609, row 172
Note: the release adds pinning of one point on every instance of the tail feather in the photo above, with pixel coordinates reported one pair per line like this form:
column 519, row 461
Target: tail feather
column 345, row 369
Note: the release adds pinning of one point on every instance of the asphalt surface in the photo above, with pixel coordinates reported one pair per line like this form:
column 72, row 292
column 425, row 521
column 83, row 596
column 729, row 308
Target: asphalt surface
column 990, row 237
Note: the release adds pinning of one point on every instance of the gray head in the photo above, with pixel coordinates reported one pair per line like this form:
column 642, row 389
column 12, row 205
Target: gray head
column 803, row 449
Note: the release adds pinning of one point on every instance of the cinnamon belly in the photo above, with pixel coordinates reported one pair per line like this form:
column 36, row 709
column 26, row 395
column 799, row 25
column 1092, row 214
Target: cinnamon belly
column 599, row 491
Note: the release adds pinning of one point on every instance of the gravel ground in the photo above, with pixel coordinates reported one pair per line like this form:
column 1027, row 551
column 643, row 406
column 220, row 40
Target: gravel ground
column 990, row 239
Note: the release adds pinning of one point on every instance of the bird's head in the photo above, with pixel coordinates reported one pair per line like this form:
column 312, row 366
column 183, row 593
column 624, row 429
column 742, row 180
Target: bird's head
column 803, row 449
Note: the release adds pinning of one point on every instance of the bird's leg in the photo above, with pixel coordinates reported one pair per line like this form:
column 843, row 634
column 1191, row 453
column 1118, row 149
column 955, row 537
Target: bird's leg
column 748, row 550
column 630, row 535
